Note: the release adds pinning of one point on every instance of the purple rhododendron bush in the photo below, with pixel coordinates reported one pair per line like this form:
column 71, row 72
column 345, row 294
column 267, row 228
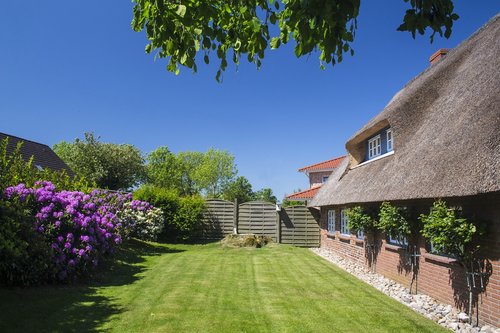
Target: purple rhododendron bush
column 60, row 234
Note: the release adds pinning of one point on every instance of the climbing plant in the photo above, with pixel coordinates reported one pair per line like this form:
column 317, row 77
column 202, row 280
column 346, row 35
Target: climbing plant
column 394, row 222
column 360, row 220
column 448, row 231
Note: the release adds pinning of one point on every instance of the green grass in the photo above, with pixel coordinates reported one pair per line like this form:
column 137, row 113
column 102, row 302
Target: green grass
column 204, row 288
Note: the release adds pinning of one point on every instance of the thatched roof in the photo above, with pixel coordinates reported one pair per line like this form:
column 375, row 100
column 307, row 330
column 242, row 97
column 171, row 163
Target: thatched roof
column 446, row 130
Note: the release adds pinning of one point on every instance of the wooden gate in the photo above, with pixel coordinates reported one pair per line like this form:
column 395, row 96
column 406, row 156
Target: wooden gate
column 218, row 219
column 299, row 226
column 257, row 217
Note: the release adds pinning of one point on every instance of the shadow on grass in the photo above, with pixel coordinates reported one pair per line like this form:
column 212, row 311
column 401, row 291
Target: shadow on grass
column 77, row 307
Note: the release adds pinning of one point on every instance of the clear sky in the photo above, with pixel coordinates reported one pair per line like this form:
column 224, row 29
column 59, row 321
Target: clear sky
column 69, row 67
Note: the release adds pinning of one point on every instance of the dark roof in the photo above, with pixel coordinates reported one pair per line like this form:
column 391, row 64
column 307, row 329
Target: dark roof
column 43, row 156
column 446, row 131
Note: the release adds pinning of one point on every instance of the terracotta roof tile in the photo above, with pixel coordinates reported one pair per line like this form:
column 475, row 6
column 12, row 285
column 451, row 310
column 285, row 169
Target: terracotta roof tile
column 304, row 195
column 325, row 165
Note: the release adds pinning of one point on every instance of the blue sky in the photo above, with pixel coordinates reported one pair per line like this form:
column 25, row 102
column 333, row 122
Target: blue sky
column 76, row 66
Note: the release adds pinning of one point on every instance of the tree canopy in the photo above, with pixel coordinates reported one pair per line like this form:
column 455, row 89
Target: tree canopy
column 109, row 165
column 240, row 189
column 184, row 30
column 265, row 194
column 191, row 172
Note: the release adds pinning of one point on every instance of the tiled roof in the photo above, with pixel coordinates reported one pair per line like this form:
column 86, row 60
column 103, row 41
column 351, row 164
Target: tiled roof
column 43, row 156
column 325, row 165
column 304, row 195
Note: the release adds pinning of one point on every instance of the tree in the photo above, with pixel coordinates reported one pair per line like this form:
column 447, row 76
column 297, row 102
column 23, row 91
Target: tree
column 108, row 165
column 191, row 161
column 184, row 29
column 165, row 170
column 265, row 194
column 191, row 172
column 240, row 189
column 214, row 173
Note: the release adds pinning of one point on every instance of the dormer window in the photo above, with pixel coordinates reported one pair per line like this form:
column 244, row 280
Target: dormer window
column 374, row 147
column 388, row 134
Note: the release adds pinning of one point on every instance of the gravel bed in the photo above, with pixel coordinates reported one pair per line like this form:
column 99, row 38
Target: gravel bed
column 444, row 314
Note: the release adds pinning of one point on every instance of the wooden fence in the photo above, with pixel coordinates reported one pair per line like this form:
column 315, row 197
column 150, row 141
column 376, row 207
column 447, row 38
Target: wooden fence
column 297, row 225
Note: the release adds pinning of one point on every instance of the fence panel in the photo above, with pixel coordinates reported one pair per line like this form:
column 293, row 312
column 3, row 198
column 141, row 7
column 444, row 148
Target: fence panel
column 218, row 219
column 257, row 217
column 299, row 226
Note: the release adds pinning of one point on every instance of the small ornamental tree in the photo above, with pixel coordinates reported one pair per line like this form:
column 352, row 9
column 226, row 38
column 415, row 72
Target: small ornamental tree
column 447, row 231
column 359, row 220
column 394, row 222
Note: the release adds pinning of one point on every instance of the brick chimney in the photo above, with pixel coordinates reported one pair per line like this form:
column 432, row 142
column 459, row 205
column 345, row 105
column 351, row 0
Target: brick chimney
column 438, row 55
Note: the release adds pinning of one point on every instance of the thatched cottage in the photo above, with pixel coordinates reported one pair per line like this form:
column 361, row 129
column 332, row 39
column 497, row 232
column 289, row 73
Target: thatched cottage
column 439, row 137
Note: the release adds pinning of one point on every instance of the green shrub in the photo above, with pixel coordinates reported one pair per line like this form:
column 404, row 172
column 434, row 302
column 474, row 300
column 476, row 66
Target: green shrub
column 188, row 216
column 25, row 257
column 359, row 220
column 447, row 230
column 395, row 222
column 182, row 214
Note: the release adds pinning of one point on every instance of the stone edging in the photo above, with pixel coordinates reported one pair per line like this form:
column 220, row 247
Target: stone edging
column 444, row 314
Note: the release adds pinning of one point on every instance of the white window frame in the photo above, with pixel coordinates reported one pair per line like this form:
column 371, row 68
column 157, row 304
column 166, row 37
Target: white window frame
column 344, row 230
column 395, row 241
column 360, row 234
column 390, row 143
column 374, row 147
column 324, row 179
column 331, row 221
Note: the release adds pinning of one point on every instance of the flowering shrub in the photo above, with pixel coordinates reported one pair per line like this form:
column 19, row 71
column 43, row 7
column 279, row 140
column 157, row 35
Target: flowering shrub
column 74, row 229
column 181, row 214
column 141, row 220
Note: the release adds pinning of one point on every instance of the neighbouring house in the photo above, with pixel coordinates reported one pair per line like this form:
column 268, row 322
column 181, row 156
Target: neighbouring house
column 318, row 174
column 43, row 156
column 438, row 138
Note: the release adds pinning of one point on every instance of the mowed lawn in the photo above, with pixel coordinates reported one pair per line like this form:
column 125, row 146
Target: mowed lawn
column 205, row 288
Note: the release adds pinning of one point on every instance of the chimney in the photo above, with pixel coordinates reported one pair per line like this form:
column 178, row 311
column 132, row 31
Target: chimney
column 438, row 55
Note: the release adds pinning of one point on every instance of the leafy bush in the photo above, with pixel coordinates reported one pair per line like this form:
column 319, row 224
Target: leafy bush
column 68, row 232
column 188, row 216
column 181, row 214
column 394, row 221
column 141, row 220
column 359, row 220
column 447, row 230
column 24, row 254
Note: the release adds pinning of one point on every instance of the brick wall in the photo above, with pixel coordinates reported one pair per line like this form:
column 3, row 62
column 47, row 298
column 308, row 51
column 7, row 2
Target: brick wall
column 439, row 277
column 317, row 177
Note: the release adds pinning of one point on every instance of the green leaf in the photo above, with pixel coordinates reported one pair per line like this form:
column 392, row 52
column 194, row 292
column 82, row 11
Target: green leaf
column 275, row 42
column 181, row 10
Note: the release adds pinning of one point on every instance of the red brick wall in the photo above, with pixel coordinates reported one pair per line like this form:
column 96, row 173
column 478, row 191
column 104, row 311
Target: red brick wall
column 437, row 276
column 317, row 177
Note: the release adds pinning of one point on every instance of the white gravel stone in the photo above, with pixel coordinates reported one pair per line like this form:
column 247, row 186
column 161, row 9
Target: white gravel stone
column 463, row 317
column 444, row 314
